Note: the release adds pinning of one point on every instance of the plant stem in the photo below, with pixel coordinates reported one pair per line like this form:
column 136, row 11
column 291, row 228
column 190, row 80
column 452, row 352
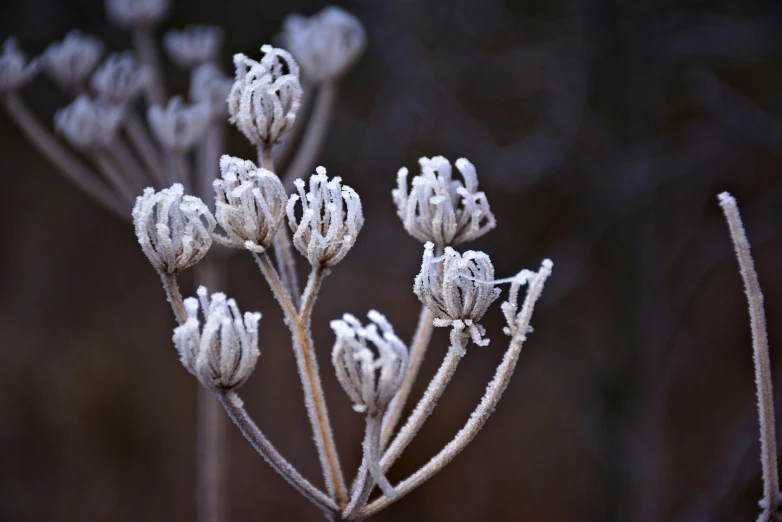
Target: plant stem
column 146, row 148
column 144, row 42
column 765, row 393
column 174, row 297
column 118, row 179
column 369, row 472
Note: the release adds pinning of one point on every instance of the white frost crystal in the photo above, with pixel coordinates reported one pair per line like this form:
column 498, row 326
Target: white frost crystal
column 174, row 230
column 326, row 44
column 87, row 123
column 194, row 45
column 120, row 79
column 250, row 204
column 370, row 380
column 179, row 126
column 222, row 354
column 440, row 209
column 136, row 13
column 15, row 70
column 71, row 61
column 330, row 222
column 265, row 96
column 459, row 291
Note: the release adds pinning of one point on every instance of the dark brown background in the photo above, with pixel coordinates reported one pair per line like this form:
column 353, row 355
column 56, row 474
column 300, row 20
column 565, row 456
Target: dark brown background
column 602, row 131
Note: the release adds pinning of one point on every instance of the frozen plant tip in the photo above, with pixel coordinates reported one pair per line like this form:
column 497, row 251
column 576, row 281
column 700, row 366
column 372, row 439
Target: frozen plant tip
column 265, row 96
column 174, row 230
column 223, row 353
column 326, row 44
column 136, row 13
column 120, row 79
column 15, row 70
column 194, row 45
column 440, row 209
column 87, row 123
column 250, row 204
column 71, row 61
column 330, row 221
column 458, row 289
column 179, row 126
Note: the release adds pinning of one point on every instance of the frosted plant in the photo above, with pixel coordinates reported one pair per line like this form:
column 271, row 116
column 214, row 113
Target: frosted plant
column 440, row 209
column 326, row 44
column 120, row 79
column 194, row 45
column 330, row 222
column 15, row 69
column 129, row 13
column 209, row 86
column 88, row 123
column 179, row 126
column 71, row 61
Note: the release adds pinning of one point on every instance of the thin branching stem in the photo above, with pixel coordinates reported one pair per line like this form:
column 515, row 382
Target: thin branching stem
column 233, row 406
column 208, row 160
column 489, row 401
column 174, row 296
column 147, row 150
column 284, row 151
column 364, row 480
column 116, row 177
column 147, row 51
column 768, row 439
column 73, row 169
column 136, row 176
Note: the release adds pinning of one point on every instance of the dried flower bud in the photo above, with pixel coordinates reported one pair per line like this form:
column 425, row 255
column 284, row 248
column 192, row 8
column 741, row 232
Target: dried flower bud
column 194, row 45
column 120, row 79
column 223, row 353
column 136, row 13
column 208, row 85
column 250, row 204
column 174, row 230
column 71, row 61
column 440, row 209
column 326, row 44
column 326, row 231
column 264, row 99
column 179, row 126
column 460, row 291
column 15, row 70
column 370, row 378
column 88, row 124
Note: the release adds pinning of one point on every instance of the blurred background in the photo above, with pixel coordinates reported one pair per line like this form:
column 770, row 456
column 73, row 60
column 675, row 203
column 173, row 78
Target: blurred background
column 602, row 132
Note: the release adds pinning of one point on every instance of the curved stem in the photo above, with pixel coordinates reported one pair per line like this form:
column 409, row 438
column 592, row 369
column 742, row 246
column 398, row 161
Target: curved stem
column 144, row 43
column 174, row 296
column 369, row 470
column 487, row 405
column 233, row 406
column 73, row 169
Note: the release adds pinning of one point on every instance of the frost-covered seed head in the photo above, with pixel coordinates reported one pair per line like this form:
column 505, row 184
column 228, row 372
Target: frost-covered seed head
column 440, row 209
column 221, row 354
column 194, row 45
column 179, row 126
column 330, row 221
column 370, row 377
column 136, row 13
column 250, row 204
column 88, row 124
column 510, row 308
column 264, row 99
column 208, row 85
column 15, row 70
column 120, row 79
column 174, row 230
column 458, row 289
column 326, row 44
column 71, row 61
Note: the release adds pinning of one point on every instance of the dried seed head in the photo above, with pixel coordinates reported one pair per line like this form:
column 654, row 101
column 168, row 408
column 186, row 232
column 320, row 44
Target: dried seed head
column 250, row 204
column 327, row 229
column 264, row 99
column 223, row 353
column 326, row 44
column 194, row 45
column 174, row 230
column 208, row 85
column 440, row 209
column 88, row 124
column 370, row 377
column 510, row 308
column 15, row 70
column 71, row 61
column 120, row 79
column 458, row 289
column 136, row 13
column 179, row 126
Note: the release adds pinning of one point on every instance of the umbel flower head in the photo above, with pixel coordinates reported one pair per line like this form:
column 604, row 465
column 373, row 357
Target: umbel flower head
column 136, row 13
column 179, row 126
column 209, row 86
column 120, row 79
column 370, row 377
column 71, row 61
column 458, row 289
column 326, row 44
column 330, row 221
column 88, row 124
column 194, row 45
column 265, row 96
column 221, row 354
column 15, row 70
column 250, row 204
column 174, row 230
column 440, row 209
